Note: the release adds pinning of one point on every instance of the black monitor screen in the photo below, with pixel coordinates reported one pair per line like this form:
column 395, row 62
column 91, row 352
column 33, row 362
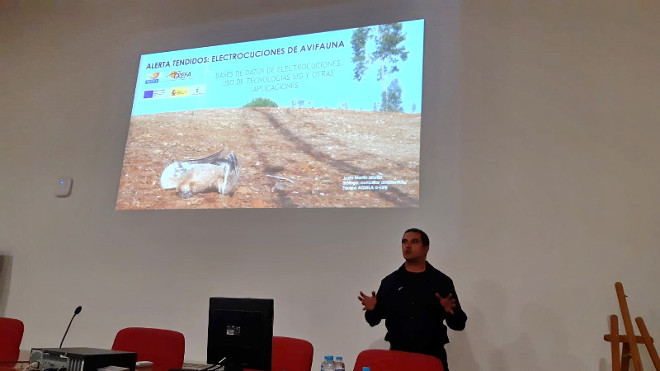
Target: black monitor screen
column 240, row 330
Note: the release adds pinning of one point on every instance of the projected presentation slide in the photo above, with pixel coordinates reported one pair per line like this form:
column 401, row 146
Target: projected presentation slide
column 324, row 120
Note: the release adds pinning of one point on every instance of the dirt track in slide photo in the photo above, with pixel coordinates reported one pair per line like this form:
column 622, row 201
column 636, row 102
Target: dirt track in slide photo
column 288, row 157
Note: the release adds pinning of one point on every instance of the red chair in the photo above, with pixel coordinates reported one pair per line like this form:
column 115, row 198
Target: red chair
column 11, row 334
column 394, row 360
column 292, row 354
column 165, row 348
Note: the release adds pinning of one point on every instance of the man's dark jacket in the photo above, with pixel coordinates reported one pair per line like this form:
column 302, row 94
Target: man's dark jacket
column 413, row 314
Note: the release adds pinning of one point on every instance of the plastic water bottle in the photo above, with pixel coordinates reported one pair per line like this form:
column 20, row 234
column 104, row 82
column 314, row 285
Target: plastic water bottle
column 339, row 364
column 328, row 364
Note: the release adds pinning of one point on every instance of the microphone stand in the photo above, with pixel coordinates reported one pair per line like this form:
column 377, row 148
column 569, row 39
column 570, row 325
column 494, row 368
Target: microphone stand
column 75, row 313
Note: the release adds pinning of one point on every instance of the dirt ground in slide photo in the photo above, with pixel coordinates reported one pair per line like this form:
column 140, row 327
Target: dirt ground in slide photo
column 288, row 157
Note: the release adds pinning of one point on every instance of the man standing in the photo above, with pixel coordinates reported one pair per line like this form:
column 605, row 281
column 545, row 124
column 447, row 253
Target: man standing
column 415, row 300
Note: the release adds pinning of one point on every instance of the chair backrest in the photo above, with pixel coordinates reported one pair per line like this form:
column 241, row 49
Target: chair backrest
column 292, row 354
column 394, row 360
column 165, row 348
column 11, row 334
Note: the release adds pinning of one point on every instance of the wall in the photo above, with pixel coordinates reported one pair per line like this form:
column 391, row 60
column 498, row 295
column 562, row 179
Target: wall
column 539, row 181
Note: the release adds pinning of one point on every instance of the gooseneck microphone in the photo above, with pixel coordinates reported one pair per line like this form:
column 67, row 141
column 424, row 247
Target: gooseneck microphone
column 75, row 313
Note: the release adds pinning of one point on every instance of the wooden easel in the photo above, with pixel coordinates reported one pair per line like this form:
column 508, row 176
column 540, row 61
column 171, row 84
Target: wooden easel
column 621, row 358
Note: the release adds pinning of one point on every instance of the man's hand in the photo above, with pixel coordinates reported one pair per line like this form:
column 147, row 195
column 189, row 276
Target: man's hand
column 369, row 302
column 449, row 303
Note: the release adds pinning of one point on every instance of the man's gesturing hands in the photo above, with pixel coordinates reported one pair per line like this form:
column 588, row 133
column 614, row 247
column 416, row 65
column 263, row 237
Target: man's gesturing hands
column 369, row 302
column 449, row 303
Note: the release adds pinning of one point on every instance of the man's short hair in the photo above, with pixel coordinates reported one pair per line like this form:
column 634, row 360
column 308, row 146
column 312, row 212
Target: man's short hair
column 425, row 237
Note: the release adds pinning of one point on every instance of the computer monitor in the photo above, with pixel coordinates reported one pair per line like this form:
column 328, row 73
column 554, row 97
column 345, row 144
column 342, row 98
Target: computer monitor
column 240, row 329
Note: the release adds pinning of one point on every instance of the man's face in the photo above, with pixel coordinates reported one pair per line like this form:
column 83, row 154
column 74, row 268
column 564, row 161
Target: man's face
column 412, row 248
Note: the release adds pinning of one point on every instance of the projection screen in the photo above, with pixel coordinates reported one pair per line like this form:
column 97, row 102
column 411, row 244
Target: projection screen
column 323, row 120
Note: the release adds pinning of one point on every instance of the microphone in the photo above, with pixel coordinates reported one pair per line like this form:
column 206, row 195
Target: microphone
column 75, row 313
